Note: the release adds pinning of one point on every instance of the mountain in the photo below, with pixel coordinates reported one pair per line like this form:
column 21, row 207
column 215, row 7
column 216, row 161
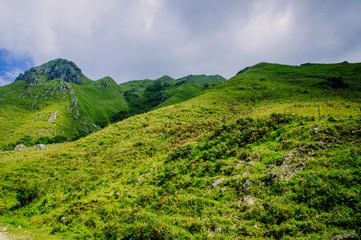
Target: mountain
column 272, row 153
column 56, row 102
column 56, row 69
column 145, row 95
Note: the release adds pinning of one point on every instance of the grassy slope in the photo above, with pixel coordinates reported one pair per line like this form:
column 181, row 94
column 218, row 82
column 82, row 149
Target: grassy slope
column 11, row 87
column 174, row 93
column 96, row 105
column 17, row 118
column 99, row 103
column 181, row 93
column 204, row 168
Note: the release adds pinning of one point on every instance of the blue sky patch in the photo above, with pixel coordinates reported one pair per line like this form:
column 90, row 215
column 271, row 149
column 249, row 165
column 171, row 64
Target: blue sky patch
column 11, row 65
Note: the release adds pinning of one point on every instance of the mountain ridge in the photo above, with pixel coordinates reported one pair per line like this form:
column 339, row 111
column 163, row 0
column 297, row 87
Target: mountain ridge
column 80, row 106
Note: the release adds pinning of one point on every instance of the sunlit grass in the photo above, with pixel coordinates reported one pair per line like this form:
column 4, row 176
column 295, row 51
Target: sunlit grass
column 234, row 162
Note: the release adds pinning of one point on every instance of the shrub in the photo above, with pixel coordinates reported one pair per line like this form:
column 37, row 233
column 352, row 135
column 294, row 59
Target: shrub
column 58, row 139
column 43, row 140
column 26, row 140
column 26, row 193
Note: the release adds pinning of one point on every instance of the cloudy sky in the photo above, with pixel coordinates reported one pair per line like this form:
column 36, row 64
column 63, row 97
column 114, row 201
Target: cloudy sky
column 138, row 39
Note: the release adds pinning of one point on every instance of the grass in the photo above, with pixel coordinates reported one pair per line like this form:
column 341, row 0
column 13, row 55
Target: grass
column 249, row 158
column 145, row 95
column 86, row 107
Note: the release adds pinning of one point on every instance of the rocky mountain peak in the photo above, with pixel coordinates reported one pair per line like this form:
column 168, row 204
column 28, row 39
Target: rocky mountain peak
column 58, row 68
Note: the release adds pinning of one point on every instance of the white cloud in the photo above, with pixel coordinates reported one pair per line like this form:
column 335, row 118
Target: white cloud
column 9, row 77
column 269, row 26
column 129, row 39
column 3, row 81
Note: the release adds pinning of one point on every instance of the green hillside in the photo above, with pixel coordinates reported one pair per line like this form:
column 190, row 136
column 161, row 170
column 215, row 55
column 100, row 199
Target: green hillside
column 55, row 102
column 145, row 95
column 272, row 153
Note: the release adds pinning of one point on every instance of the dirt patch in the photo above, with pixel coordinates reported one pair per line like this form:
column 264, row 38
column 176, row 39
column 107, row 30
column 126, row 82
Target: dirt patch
column 3, row 236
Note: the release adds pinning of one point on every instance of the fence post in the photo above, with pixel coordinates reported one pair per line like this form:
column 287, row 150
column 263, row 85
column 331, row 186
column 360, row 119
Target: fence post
column 319, row 112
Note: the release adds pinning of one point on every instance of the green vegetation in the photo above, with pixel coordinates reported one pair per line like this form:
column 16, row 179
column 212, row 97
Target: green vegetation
column 272, row 153
column 145, row 95
column 56, row 99
column 58, row 108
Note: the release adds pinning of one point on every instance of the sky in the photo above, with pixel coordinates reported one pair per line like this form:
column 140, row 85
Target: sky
column 139, row 39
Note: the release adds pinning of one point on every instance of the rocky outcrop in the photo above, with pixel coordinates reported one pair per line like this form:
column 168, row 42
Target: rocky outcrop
column 104, row 84
column 31, row 76
column 58, row 68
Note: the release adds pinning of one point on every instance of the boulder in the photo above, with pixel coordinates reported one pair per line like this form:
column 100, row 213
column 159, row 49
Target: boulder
column 19, row 147
column 40, row 147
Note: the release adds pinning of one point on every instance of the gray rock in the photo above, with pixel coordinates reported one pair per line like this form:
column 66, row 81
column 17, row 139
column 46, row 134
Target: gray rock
column 344, row 236
column 217, row 182
column 251, row 163
column 321, row 144
column 74, row 101
column 240, row 163
column 287, row 171
column 31, row 76
column 246, row 185
column 53, row 117
column 315, row 131
column 104, row 84
column 249, row 200
column 19, row 147
column 77, row 114
column 288, row 157
column 40, row 147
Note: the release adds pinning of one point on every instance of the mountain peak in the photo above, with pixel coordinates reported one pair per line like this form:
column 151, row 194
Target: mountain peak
column 58, row 68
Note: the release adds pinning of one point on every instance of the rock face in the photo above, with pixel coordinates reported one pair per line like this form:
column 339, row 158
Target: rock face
column 58, row 68
column 53, row 117
column 104, row 84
